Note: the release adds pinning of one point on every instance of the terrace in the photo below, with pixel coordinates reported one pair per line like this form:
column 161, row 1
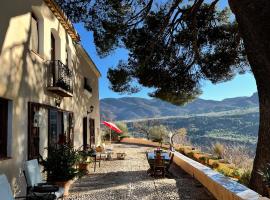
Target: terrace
column 128, row 179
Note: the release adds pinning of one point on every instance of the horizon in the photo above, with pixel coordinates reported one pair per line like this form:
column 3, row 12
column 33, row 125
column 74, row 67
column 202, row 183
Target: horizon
column 150, row 98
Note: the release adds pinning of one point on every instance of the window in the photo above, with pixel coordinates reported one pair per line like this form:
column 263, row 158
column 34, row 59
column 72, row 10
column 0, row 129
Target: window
column 4, row 127
column 87, row 84
column 60, row 127
column 67, row 56
column 34, row 42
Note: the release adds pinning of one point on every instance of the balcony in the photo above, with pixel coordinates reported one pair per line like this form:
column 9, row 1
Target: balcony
column 60, row 79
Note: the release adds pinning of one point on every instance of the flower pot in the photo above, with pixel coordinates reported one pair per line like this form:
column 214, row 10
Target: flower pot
column 66, row 185
column 83, row 166
column 268, row 190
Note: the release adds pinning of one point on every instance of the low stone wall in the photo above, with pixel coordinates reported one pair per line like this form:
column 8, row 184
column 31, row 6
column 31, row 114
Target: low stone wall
column 223, row 188
column 143, row 141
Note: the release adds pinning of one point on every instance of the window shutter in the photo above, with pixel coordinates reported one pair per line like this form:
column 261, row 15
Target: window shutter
column 34, row 34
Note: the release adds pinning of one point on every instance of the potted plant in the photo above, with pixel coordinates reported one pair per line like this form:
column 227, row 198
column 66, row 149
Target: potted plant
column 265, row 173
column 84, row 160
column 60, row 166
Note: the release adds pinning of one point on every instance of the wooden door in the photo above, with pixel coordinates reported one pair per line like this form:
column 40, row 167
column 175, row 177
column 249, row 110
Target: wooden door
column 92, row 131
column 85, row 133
column 3, row 127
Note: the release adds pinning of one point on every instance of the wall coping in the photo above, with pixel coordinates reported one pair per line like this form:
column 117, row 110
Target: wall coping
column 222, row 187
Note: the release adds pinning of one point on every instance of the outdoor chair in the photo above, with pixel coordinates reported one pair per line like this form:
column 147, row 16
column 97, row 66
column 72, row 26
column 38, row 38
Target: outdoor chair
column 36, row 186
column 159, row 166
column 5, row 189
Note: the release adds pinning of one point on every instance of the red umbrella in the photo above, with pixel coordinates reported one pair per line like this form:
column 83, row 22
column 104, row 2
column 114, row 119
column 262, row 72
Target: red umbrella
column 113, row 127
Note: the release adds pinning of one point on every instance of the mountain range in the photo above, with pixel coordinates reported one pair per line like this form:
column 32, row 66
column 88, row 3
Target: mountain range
column 128, row 108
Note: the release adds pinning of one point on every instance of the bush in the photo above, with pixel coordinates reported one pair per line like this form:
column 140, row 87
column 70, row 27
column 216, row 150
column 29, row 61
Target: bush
column 224, row 171
column 158, row 133
column 190, row 154
column 218, row 150
column 215, row 165
column 123, row 136
column 204, row 160
column 60, row 163
column 182, row 150
column 236, row 173
column 245, row 177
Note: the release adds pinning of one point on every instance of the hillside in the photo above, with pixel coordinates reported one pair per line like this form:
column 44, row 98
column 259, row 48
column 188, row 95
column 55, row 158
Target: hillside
column 238, row 127
column 129, row 108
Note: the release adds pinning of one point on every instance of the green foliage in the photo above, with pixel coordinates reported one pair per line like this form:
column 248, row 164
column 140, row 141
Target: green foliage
column 122, row 126
column 204, row 160
column 236, row 173
column 158, row 133
column 123, row 136
column 190, row 154
column 245, row 177
column 84, row 157
column 60, row 163
column 224, row 171
column 166, row 40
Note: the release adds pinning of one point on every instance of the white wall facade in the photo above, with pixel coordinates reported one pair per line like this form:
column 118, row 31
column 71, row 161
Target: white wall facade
column 23, row 79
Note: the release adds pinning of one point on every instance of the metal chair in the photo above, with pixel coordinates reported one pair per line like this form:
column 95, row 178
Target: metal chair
column 36, row 186
column 159, row 166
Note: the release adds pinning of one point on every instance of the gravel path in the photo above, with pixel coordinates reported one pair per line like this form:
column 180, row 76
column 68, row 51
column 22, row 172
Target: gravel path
column 128, row 180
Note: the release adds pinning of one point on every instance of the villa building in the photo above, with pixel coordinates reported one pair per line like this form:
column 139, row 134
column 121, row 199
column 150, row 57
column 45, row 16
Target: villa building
column 48, row 86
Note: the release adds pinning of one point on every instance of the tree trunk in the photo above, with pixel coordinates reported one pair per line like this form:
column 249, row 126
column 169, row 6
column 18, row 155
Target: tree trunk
column 253, row 17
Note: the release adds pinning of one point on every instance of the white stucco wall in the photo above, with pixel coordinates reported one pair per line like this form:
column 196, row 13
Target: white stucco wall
column 23, row 79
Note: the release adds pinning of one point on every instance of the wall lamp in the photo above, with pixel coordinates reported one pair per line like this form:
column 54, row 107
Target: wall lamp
column 91, row 109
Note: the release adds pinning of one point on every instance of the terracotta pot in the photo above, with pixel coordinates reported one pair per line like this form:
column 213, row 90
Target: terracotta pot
column 268, row 189
column 83, row 166
column 66, row 185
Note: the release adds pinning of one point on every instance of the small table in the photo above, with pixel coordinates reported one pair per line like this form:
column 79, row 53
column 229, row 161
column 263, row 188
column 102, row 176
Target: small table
column 94, row 155
column 151, row 159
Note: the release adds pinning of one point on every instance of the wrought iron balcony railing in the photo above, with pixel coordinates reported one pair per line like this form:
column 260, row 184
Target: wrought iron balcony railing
column 60, row 78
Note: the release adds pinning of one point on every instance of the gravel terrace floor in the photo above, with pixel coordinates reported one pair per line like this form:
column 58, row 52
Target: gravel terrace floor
column 128, row 180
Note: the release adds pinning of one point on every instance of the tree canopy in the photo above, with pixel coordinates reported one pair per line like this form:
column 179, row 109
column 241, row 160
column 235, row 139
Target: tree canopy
column 173, row 45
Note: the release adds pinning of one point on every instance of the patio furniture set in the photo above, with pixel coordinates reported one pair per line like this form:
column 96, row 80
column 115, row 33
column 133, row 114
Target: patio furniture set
column 37, row 189
column 159, row 162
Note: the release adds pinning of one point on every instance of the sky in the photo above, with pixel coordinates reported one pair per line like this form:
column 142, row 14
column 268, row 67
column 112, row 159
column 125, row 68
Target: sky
column 241, row 85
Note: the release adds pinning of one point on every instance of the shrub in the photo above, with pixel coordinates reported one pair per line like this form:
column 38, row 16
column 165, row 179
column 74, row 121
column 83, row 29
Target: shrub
column 224, row 171
column 190, row 154
column 236, row 173
column 123, row 136
column 218, row 150
column 158, row 133
column 182, row 150
column 204, row 160
column 60, row 163
column 215, row 165
column 245, row 177
column 238, row 155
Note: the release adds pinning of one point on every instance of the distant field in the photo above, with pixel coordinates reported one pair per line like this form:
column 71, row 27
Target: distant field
column 229, row 127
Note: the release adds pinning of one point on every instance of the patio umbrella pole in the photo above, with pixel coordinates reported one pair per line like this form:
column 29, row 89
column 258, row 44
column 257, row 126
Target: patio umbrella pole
column 111, row 136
